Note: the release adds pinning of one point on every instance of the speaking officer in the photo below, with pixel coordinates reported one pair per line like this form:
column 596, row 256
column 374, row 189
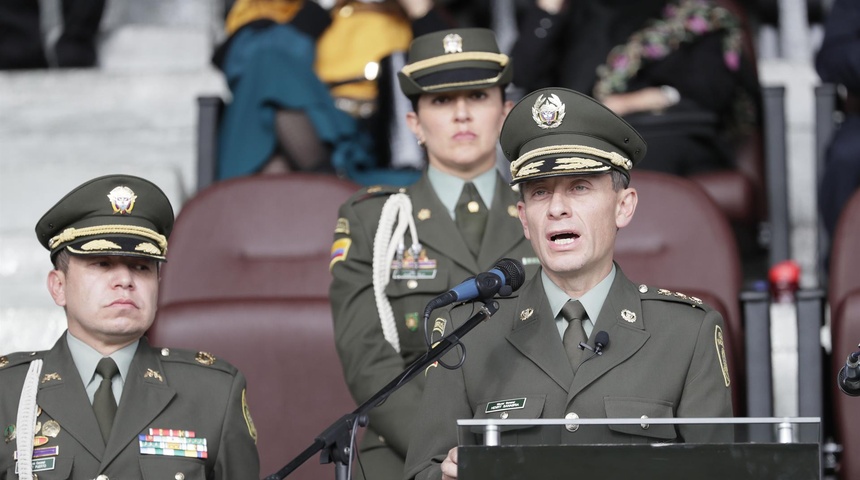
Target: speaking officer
column 395, row 249
column 102, row 403
column 663, row 353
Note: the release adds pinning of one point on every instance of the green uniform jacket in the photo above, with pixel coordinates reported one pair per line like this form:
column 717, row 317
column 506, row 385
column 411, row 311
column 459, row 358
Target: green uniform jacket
column 166, row 389
column 369, row 361
column 665, row 359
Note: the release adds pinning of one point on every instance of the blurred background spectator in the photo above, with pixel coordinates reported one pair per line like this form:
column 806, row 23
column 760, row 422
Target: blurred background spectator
column 838, row 61
column 305, row 85
column 675, row 69
column 281, row 116
column 21, row 39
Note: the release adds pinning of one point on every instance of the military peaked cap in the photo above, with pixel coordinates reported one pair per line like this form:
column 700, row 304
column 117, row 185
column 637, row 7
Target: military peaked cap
column 556, row 131
column 110, row 215
column 458, row 59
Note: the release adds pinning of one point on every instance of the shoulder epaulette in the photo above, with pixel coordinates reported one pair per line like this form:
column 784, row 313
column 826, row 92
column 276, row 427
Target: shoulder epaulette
column 201, row 359
column 661, row 294
column 375, row 191
column 18, row 358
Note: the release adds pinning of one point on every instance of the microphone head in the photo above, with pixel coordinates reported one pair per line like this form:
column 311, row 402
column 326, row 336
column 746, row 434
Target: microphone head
column 515, row 274
column 846, row 386
column 602, row 339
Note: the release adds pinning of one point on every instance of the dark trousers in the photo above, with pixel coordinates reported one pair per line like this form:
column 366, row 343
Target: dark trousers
column 21, row 45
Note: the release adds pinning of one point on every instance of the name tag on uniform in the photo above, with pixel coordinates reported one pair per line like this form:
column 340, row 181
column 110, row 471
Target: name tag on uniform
column 41, row 464
column 502, row 405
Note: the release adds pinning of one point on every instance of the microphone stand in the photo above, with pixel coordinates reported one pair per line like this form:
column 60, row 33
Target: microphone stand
column 334, row 442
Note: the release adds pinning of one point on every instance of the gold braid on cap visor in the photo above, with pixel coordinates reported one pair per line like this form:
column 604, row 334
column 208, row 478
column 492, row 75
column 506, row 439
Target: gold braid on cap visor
column 614, row 157
column 472, row 83
column 499, row 58
column 71, row 234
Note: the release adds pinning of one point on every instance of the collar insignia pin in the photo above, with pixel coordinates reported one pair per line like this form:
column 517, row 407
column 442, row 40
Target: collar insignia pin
column 150, row 373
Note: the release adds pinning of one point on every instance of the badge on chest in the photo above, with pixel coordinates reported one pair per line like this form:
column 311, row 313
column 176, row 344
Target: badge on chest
column 409, row 266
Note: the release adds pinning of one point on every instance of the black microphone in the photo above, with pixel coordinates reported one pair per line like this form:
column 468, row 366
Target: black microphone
column 506, row 273
column 601, row 341
column 849, row 375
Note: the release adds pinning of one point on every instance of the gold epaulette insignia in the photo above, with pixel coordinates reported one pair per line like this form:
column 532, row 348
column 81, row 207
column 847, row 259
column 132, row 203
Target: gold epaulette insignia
column 204, row 358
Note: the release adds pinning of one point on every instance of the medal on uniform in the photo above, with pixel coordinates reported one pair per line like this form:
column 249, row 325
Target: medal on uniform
column 409, row 266
column 51, row 429
column 42, row 452
column 172, row 443
column 9, row 433
column 412, row 321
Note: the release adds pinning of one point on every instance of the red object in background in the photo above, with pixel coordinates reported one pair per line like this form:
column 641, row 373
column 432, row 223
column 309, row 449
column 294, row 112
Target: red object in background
column 784, row 280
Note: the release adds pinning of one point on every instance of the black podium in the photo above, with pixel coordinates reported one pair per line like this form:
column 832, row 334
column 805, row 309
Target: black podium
column 760, row 449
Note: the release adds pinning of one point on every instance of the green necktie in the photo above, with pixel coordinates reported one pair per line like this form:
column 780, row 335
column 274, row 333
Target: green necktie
column 472, row 217
column 104, row 404
column 574, row 313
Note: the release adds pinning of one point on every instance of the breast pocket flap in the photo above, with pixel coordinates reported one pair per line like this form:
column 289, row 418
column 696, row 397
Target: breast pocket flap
column 644, row 409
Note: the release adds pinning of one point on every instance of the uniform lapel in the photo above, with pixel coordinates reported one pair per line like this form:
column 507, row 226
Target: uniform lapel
column 63, row 398
column 625, row 337
column 144, row 396
column 439, row 231
column 535, row 334
column 504, row 231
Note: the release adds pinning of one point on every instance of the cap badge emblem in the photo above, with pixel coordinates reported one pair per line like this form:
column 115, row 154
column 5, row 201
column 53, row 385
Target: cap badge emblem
column 548, row 112
column 122, row 199
column 453, row 43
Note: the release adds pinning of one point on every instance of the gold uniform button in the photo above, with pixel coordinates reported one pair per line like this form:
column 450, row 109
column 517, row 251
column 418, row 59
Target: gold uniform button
column 571, row 427
column 381, row 439
column 504, row 415
column 165, row 352
column 179, row 476
column 412, row 284
column 644, row 425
